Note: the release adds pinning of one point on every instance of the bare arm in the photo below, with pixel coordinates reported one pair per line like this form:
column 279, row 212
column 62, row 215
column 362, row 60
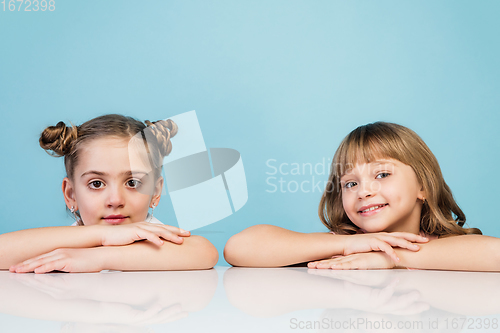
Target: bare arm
column 195, row 252
column 21, row 245
column 54, row 243
column 271, row 246
column 459, row 253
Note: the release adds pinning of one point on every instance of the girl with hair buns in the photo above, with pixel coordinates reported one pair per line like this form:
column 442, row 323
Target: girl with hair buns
column 113, row 165
column 386, row 205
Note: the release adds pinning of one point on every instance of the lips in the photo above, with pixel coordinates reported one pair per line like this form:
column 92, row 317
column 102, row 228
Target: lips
column 114, row 219
column 371, row 209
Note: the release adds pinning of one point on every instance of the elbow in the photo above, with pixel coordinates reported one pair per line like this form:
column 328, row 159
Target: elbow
column 240, row 248
column 207, row 253
column 231, row 253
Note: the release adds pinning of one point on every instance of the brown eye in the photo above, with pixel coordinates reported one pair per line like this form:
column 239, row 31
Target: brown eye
column 134, row 183
column 96, row 184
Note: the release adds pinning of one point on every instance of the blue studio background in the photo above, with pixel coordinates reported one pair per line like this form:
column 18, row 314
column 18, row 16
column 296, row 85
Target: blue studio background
column 280, row 81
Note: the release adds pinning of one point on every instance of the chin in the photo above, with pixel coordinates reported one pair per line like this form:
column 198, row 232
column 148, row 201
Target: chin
column 373, row 228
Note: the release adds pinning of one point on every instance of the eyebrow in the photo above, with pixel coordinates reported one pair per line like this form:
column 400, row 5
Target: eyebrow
column 125, row 173
column 376, row 163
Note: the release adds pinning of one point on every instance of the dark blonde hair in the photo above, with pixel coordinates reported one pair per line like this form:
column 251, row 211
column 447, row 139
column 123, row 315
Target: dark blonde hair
column 440, row 214
column 62, row 140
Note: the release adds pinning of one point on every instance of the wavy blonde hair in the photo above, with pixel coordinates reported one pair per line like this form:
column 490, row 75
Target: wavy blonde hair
column 62, row 140
column 440, row 214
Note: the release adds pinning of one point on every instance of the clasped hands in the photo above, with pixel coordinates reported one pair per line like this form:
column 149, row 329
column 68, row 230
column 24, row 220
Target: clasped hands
column 371, row 251
column 79, row 260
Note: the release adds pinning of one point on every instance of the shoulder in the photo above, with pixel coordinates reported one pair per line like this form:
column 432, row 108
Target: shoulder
column 154, row 220
column 430, row 237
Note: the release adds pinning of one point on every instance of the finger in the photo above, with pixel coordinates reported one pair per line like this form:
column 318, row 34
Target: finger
column 379, row 245
column 56, row 265
column 351, row 264
column 31, row 260
column 150, row 236
column 400, row 242
column 325, row 264
column 30, row 267
column 155, row 238
column 164, row 233
column 171, row 237
column 175, row 230
column 312, row 264
column 409, row 236
column 315, row 264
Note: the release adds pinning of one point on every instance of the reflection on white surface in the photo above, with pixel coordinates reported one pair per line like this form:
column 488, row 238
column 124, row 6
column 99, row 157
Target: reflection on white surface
column 107, row 302
column 251, row 300
column 369, row 301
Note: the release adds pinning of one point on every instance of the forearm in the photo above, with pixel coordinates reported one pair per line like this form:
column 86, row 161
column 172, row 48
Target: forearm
column 271, row 246
column 21, row 245
column 460, row 253
column 195, row 252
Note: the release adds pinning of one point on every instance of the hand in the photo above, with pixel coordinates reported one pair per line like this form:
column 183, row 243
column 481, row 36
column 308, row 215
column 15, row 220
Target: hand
column 382, row 241
column 69, row 260
column 369, row 260
column 386, row 299
column 129, row 233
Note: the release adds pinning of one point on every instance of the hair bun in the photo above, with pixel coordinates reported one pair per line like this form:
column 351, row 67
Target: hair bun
column 163, row 131
column 58, row 140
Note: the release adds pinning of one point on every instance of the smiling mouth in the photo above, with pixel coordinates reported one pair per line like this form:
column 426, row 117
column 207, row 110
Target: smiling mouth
column 372, row 208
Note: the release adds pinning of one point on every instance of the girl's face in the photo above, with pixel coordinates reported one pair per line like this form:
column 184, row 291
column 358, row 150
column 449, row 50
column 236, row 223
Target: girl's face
column 384, row 195
column 112, row 183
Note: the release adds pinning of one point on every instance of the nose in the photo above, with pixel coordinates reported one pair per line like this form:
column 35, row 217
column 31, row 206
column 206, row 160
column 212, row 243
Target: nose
column 115, row 197
column 366, row 190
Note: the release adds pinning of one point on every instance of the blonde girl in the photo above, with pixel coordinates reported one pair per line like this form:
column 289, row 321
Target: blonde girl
column 386, row 205
column 113, row 165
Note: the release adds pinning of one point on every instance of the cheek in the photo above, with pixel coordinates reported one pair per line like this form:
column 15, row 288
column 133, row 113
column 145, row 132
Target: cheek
column 139, row 206
column 87, row 205
column 401, row 195
column 349, row 202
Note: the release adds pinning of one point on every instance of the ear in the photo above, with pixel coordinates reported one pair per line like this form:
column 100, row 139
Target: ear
column 69, row 193
column 157, row 192
column 421, row 194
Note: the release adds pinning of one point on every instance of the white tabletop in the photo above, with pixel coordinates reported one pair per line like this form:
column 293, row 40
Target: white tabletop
column 251, row 300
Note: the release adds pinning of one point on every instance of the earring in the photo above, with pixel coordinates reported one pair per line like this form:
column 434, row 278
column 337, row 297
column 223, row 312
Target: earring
column 153, row 206
column 77, row 217
column 423, row 201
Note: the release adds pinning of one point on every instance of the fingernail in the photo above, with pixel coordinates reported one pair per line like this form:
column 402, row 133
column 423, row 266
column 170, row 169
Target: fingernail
column 182, row 230
column 425, row 238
